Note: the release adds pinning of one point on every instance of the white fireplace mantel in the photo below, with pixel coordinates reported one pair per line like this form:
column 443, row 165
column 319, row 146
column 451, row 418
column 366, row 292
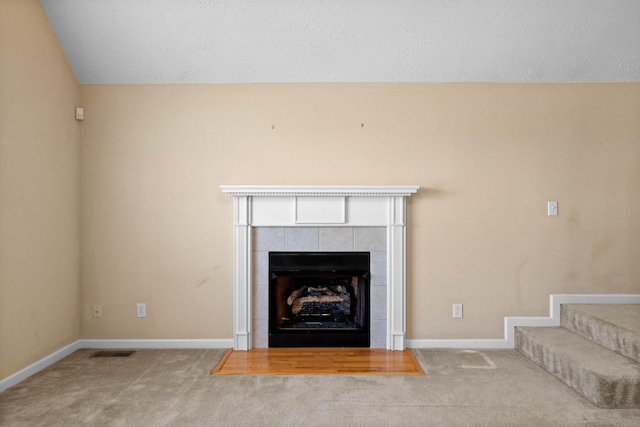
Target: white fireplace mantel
column 318, row 206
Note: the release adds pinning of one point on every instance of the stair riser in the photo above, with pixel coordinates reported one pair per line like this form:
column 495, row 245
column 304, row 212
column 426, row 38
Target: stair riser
column 624, row 342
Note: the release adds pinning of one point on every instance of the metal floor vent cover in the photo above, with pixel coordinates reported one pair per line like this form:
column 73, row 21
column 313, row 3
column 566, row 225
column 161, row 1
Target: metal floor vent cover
column 113, row 354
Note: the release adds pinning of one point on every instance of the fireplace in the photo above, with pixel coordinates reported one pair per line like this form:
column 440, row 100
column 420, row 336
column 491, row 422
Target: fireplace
column 319, row 299
column 298, row 206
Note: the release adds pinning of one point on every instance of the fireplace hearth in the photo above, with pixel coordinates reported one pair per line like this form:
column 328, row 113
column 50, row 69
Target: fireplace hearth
column 319, row 299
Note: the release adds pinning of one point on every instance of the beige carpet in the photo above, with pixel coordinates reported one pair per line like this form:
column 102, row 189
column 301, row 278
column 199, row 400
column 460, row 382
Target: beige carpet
column 174, row 388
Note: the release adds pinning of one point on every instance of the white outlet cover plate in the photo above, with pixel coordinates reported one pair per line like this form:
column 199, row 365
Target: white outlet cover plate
column 141, row 310
column 457, row 311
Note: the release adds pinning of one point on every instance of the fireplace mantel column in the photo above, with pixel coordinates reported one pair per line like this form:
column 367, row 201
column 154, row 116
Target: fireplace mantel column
column 242, row 272
column 396, row 274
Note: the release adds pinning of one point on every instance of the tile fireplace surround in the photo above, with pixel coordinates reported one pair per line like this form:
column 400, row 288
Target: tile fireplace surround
column 316, row 209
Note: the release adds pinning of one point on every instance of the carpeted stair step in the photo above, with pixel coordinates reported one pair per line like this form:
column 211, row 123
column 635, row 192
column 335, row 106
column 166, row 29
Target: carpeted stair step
column 602, row 376
column 614, row 326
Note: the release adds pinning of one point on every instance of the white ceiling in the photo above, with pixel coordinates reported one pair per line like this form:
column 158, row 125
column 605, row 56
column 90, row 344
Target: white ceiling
column 238, row 41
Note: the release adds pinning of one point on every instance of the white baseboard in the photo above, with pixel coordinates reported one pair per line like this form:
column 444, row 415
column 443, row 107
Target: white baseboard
column 35, row 367
column 510, row 323
column 555, row 301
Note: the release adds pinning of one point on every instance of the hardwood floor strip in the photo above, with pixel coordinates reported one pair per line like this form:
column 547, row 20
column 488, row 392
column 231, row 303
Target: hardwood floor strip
column 319, row 361
column 222, row 361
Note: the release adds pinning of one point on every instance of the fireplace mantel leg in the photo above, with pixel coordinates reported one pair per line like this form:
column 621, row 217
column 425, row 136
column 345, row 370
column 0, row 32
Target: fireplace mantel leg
column 396, row 279
column 242, row 339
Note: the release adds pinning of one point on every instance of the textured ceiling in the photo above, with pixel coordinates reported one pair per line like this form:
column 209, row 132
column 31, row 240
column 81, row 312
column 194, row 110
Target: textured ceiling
column 217, row 41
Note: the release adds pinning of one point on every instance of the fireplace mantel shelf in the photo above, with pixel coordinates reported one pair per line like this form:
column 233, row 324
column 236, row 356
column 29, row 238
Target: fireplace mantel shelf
column 319, row 190
column 321, row 206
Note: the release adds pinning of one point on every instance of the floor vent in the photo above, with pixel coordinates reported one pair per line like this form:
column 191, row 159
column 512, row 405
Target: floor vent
column 113, row 354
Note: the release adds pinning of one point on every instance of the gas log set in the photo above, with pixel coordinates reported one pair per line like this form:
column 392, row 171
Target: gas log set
column 319, row 299
column 331, row 301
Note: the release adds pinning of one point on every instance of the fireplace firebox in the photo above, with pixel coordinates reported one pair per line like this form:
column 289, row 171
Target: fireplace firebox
column 319, row 299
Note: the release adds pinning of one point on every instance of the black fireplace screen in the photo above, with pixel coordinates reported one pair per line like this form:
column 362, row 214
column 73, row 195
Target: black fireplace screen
column 319, row 299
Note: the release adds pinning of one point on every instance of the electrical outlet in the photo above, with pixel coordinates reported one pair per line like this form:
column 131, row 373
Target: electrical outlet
column 141, row 309
column 457, row 311
column 97, row 311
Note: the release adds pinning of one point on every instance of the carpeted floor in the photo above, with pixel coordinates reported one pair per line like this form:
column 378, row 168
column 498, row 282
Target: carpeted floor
column 174, row 388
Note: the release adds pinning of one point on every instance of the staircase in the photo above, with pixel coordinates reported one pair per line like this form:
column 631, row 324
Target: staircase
column 595, row 351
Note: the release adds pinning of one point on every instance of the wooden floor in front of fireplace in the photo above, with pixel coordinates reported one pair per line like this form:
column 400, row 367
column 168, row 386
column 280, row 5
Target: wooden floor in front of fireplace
column 319, row 361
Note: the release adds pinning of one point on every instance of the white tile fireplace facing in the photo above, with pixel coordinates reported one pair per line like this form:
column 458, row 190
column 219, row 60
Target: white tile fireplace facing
column 319, row 218
column 316, row 239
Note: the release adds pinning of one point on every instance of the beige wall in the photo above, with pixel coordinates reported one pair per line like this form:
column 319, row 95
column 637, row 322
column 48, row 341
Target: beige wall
column 39, row 190
column 157, row 229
